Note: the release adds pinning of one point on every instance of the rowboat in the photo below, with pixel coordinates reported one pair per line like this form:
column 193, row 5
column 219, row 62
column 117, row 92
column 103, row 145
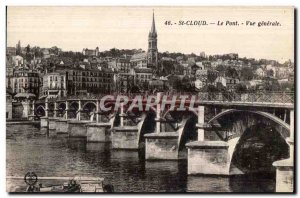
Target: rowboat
column 77, row 184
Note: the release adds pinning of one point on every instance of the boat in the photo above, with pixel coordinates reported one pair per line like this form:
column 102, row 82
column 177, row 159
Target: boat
column 77, row 184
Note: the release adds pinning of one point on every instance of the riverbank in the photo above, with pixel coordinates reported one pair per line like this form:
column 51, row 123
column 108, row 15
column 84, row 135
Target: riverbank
column 22, row 122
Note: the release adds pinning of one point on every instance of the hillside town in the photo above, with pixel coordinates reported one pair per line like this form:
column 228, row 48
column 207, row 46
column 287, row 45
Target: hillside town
column 38, row 72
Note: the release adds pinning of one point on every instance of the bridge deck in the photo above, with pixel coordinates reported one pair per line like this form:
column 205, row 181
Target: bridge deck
column 247, row 104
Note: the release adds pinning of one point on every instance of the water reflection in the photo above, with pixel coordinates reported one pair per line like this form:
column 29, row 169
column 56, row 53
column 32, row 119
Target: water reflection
column 77, row 144
column 207, row 184
column 263, row 182
column 127, row 170
column 97, row 147
column 259, row 182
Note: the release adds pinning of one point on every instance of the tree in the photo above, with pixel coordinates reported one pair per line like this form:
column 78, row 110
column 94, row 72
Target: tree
column 231, row 72
column 270, row 73
column 221, row 68
column 220, row 87
column 271, row 84
column 167, row 68
column 211, row 76
column 28, row 55
column 247, row 73
column 27, row 49
column 210, row 88
column 241, row 87
column 134, row 89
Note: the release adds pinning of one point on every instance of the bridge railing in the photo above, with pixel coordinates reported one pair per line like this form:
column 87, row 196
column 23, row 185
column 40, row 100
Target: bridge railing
column 261, row 97
column 248, row 97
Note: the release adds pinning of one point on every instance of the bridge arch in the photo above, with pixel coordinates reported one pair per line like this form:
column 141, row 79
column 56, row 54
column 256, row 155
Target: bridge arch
column 187, row 109
column 61, row 105
column 110, row 105
column 73, row 103
column 256, row 150
column 174, row 120
column 187, row 132
column 89, row 110
column 146, row 125
column 235, row 143
column 89, row 103
column 40, row 111
column 73, row 107
column 264, row 114
column 145, row 106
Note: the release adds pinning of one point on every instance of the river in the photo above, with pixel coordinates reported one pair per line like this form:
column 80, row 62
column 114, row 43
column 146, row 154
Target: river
column 28, row 150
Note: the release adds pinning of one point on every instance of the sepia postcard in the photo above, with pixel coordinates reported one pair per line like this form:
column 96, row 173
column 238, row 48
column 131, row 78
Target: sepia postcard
column 150, row 99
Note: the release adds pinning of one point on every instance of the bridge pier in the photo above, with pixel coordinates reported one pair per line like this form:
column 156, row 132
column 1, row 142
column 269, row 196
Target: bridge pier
column 200, row 123
column 55, row 110
column 78, row 128
column 61, row 126
column 207, row 157
column 125, row 137
column 44, row 122
column 98, row 117
column 158, row 119
column 98, row 132
column 285, row 168
column 66, row 110
column 26, row 109
column 32, row 116
column 122, row 115
column 44, row 119
column 162, row 146
column 78, row 113
column 52, row 126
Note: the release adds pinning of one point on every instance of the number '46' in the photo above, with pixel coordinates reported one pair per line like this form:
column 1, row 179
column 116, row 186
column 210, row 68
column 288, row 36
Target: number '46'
column 168, row 23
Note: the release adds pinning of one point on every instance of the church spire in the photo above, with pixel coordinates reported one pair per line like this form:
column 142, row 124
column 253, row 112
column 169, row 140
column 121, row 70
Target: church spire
column 152, row 45
column 153, row 30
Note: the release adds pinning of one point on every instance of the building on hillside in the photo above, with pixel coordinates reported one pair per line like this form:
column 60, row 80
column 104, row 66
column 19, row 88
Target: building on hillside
column 260, row 72
column 54, row 85
column 120, row 64
column 124, row 82
column 233, row 56
column 139, row 60
column 26, row 81
column 229, row 83
column 199, row 84
column 142, row 75
column 11, row 51
column 9, row 74
column 46, row 53
column 187, row 70
column 90, row 52
column 207, row 76
column 282, row 72
column 157, row 84
column 81, row 80
column 17, row 60
column 202, row 55
column 200, row 65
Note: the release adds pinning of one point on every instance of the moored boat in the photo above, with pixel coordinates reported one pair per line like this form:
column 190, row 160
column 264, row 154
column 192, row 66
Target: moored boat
column 75, row 184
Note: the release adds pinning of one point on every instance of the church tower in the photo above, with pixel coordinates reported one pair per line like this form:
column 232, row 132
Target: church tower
column 152, row 46
column 18, row 48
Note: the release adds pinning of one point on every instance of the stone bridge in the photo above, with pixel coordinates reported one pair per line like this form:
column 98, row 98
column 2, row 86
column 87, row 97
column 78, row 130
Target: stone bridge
column 206, row 131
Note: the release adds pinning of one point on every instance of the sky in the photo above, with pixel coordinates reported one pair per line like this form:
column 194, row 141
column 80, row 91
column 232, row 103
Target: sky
column 75, row 28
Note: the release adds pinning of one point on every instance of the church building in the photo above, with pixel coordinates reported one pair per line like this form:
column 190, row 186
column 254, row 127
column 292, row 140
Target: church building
column 152, row 55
